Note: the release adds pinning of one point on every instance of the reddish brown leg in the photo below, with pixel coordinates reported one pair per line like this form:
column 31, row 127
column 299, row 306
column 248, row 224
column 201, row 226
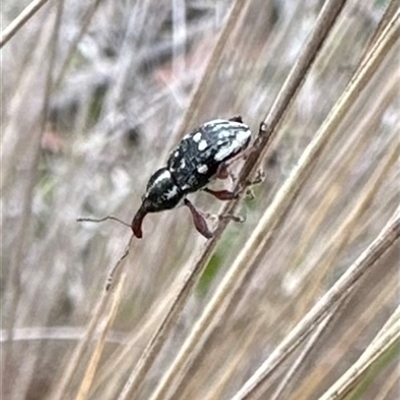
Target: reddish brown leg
column 222, row 194
column 223, row 172
column 199, row 221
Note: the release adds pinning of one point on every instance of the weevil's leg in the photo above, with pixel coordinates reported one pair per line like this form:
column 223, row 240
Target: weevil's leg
column 236, row 118
column 229, row 195
column 232, row 217
column 222, row 194
column 199, row 221
column 223, row 172
column 259, row 178
column 250, row 194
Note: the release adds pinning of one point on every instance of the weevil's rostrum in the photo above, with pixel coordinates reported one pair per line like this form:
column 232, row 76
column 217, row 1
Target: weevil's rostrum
column 199, row 157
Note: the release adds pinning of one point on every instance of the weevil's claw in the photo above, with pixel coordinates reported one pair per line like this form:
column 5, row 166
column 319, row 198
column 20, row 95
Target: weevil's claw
column 137, row 223
column 259, row 178
column 250, row 194
column 224, row 217
column 199, row 221
column 236, row 218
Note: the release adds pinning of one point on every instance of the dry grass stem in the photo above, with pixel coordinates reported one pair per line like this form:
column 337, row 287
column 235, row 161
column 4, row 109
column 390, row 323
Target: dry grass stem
column 280, row 205
column 100, row 308
column 212, row 66
column 386, row 342
column 94, row 95
column 98, row 349
column 338, row 292
column 26, row 14
column 298, row 364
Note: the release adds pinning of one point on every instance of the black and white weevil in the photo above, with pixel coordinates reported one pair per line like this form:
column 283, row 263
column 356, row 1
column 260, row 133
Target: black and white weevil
column 199, row 157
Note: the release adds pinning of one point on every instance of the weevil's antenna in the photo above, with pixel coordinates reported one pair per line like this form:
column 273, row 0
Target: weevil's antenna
column 109, row 217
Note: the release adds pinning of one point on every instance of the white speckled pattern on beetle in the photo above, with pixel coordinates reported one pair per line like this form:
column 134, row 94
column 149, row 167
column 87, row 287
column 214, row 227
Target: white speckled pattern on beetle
column 190, row 167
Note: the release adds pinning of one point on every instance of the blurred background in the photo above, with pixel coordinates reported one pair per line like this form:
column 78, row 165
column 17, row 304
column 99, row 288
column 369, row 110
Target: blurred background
column 92, row 95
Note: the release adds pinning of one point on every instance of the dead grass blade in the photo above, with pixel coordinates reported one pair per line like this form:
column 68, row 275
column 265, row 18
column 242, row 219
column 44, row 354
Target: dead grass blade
column 98, row 350
column 386, row 239
column 281, row 203
column 213, row 64
column 26, row 14
column 298, row 363
column 80, row 348
column 22, row 238
column 92, row 102
column 292, row 84
column 305, row 61
column 386, row 341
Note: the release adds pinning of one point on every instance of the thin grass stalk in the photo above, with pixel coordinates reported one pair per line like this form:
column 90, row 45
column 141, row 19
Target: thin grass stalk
column 127, row 60
column 86, row 20
column 218, row 391
column 335, row 355
column 74, row 360
column 231, row 365
column 394, row 318
column 184, row 288
column 367, row 124
column 179, row 30
column 79, row 350
column 12, row 157
column 92, row 248
column 98, row 350
column 18, row 22
column 323, row 27
column 385, row 240
column 130, row 350
column 299, row 362
column 24, row 223
column 390, row 11
column 214, row 62
column 391, row 385
column 59, row 333
column 321, row 31
column 341, row 237
column 261, row 236
column 359, row 205
column 381, row 346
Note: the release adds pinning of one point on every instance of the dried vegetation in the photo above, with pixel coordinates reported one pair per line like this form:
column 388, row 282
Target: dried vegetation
column 298, row 302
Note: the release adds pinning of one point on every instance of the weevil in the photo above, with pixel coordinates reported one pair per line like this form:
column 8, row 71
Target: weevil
column 199, row 157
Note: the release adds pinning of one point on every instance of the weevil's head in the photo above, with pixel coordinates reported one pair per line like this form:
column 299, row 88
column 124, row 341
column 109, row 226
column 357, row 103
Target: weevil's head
column 162, row 193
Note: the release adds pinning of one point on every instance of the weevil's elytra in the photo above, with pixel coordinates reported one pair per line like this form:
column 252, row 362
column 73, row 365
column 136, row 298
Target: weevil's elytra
column 191, row 166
